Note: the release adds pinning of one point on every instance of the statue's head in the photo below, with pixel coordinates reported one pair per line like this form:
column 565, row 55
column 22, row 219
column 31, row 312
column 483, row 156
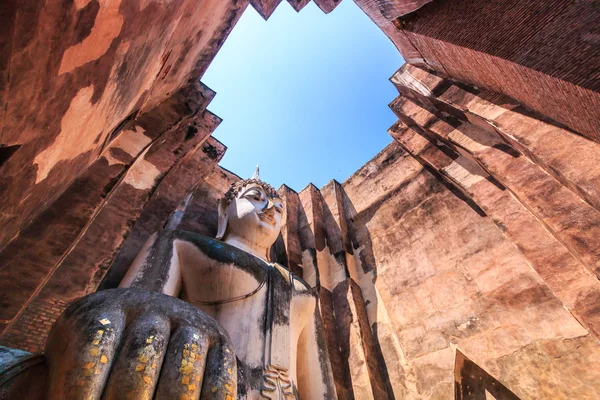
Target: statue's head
column 252, row 212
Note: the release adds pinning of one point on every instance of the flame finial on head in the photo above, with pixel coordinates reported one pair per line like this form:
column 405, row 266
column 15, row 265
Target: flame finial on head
column 256, row 173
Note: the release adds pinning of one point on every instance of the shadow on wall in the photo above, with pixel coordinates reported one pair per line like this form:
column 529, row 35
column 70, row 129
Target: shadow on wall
column 471, row 382
column 339, row 316
column 358, row 239
column 358, row 246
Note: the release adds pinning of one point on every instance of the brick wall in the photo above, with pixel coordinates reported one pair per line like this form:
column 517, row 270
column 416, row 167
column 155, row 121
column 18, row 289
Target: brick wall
column 541, row 53
column 30, row 332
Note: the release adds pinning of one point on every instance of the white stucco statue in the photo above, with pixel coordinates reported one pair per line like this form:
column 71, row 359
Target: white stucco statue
column 198, row 317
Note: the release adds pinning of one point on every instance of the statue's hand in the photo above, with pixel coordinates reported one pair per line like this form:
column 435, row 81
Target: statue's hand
column 133, row 344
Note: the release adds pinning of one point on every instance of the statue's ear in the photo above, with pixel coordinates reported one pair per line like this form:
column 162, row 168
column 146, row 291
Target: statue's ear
column 222, row 220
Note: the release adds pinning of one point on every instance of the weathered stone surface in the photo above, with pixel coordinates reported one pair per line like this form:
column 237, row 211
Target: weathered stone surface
column 291, row 237
column 327, row 6
column 337, row 261
column 165, row 199
column 377, row 13
column 392, row 9
column 265, row 7
column 298, row 4
column 22, row 373
column 471, row 381
column 349, row 340
column 77, row 71
column 575, row 223
column 558, row 151
column 339, row 366
column 83, row 263
column 312, row 241
column 201, row 213
column 453, row 133
column 50, row 237
column 527, row 56
column 434, row 300
column 547, row 360
column 565, row 275
column 316, row 235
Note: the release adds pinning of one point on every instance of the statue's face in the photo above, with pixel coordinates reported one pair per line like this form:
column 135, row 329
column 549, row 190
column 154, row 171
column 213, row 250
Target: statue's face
column 255, row 217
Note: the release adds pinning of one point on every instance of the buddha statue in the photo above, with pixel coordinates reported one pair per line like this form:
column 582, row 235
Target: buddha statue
column 198, row 318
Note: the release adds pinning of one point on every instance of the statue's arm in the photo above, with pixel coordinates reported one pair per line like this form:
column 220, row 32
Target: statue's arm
column 156, row 267
column 315, row 378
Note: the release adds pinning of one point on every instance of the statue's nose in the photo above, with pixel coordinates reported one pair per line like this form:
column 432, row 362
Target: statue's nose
column 269, row 208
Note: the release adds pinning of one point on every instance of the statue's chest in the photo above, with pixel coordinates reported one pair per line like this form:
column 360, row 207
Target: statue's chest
column 264, row 318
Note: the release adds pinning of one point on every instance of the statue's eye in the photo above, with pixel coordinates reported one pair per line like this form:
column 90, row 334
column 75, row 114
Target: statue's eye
column 279, row 210
column 254, row 195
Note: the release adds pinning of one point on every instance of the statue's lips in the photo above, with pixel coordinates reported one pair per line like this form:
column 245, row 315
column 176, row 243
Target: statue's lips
column 267, row 218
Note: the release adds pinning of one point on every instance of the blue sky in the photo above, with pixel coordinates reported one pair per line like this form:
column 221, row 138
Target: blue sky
column 303, row 94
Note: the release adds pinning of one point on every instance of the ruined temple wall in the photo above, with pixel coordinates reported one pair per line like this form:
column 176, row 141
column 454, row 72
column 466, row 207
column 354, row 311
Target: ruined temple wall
column 422, row 256
column 73, row 73
column 525, row 172
column 104, row 130
column 541, row 53
column 135, row 185
column 436, row 274
column 473, row 232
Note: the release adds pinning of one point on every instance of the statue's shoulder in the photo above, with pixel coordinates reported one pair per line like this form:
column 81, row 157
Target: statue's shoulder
column 220, row 251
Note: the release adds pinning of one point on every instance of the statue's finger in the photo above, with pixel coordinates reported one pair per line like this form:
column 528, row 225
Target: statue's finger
column 80, row 351
column 220, row 373
column 183, row 367
column 135, row 374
